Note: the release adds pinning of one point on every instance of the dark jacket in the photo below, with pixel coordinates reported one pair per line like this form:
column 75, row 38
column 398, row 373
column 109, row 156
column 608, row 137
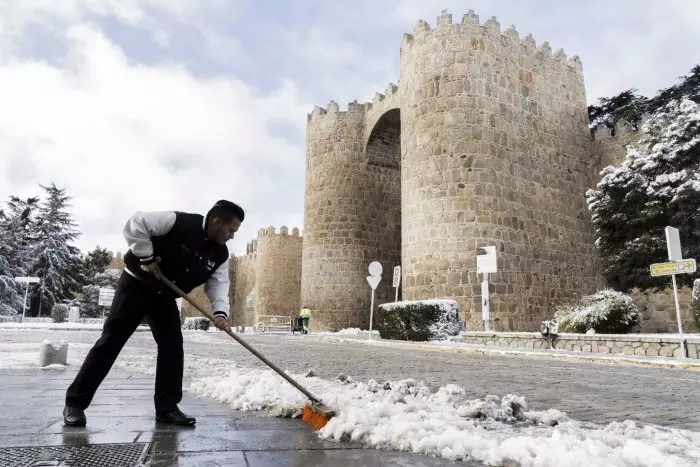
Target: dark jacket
column 185, row 255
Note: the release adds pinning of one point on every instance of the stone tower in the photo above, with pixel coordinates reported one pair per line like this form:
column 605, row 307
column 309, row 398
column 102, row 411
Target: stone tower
column 484, row 141
column 267, row 279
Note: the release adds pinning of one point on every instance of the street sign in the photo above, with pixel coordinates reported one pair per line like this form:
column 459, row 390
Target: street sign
column 673, row 244
column 676, row 265
column 397, row 276
column 375, row 268
column 27, row 280
column 373, row 281
column 686, row 266
column 486, row 263
column 486, row 260
column 397, row 282
column 106, row 296
column 375, row 276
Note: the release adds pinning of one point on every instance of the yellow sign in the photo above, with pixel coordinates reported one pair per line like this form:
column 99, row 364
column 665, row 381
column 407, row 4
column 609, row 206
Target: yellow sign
column 687, row 266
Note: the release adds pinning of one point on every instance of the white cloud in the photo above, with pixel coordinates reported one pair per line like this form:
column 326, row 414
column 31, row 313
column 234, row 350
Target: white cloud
column 122, row 137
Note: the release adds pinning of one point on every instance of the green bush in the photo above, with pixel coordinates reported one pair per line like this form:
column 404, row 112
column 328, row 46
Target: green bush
column 695, row 303
column 422, row 320
column 607, row 312
column 59, row 313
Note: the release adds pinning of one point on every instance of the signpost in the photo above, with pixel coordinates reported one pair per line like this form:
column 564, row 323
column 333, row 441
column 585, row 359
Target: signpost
column 26, row 280
column 676, row 265
column 486, row 263
column 105, row 298
column 375, row 276
column 397, row 281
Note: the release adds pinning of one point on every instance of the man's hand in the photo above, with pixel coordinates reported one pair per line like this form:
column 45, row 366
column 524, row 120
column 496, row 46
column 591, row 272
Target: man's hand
column 153, row 269
column 221, row 323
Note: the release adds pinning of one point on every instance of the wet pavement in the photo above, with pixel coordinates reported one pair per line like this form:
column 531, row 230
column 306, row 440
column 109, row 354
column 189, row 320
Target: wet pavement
column 121, row 427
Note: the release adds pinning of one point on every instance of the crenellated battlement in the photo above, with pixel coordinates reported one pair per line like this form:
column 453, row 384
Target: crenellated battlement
column 470, row 25
column 334, row 109
column 623, row 130
column 271, row 231
column 283, row 232
column 354, row 106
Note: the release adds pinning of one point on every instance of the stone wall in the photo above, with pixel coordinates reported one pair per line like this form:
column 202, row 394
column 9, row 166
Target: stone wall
column 278, row 272
column 201, row 298
column 495, row 149
column 267, row 279
column 608, row 149
column 621, row 344
column 243, row 282
column 659, row 310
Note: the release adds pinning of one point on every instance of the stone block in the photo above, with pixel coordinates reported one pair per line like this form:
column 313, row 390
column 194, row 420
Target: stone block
column 53, row 353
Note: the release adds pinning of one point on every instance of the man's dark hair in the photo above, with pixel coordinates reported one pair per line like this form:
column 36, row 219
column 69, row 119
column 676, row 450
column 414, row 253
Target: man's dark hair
column 226, row 210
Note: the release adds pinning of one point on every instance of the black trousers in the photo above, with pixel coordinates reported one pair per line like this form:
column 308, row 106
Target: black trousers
column 132, row 302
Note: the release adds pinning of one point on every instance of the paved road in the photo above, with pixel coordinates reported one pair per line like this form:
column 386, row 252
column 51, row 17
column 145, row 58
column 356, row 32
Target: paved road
column 598, row 392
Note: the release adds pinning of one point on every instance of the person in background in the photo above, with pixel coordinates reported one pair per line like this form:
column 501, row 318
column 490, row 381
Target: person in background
column 305, row 315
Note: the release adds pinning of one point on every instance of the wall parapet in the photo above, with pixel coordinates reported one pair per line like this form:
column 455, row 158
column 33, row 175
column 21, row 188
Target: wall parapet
column 470, row 25
column 283, row 231
column 641, row 345
column 622, row 129
column 354, row 106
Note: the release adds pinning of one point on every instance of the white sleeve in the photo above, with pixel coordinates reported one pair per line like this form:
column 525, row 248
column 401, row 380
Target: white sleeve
column 216, row 289
column 141, row 226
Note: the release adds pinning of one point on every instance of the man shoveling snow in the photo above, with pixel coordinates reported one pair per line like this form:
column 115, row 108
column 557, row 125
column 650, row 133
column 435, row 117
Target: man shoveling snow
column 189, row 250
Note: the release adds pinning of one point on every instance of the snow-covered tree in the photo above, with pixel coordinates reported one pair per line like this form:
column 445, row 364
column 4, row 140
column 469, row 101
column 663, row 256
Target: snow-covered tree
column 10, row 293
column 17, row 225
column 89, row 307
column 15, row 251
column 56, row 258
column 657, row 185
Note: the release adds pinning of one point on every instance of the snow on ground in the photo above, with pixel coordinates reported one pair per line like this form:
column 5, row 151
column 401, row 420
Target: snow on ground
column 354, row 332
column 452, row 345
column 26, row 355
column 405, row 415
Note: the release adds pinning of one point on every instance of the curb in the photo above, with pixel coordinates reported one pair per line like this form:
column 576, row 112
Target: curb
column 678, row 362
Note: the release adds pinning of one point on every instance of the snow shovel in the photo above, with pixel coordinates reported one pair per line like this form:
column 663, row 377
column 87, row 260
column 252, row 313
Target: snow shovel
column 315, row 414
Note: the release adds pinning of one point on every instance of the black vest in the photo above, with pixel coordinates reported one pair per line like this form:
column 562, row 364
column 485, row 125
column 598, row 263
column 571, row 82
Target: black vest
column 187, row 257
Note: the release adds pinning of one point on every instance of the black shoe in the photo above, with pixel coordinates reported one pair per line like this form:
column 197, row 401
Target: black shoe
column 175, row 417
column 73, row 416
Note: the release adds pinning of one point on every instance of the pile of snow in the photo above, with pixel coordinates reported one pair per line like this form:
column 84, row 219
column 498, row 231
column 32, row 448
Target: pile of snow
column 405, row 415
column 355, row 332
column 52, row 325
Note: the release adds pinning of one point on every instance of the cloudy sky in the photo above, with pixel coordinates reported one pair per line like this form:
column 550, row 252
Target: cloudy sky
column 173, row 104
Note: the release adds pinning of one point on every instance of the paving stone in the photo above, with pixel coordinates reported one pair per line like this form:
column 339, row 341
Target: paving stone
column 221, row 437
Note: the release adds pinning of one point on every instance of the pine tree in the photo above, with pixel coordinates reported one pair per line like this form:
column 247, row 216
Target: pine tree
column 631, row 106
column 15, row 252
column 18, row 228
column 95, row 262
column 10, row 293
column 56, row 258
column 657, row 185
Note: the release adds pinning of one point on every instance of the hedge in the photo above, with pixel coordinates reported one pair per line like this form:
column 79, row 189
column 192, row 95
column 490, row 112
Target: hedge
column 420, row 320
